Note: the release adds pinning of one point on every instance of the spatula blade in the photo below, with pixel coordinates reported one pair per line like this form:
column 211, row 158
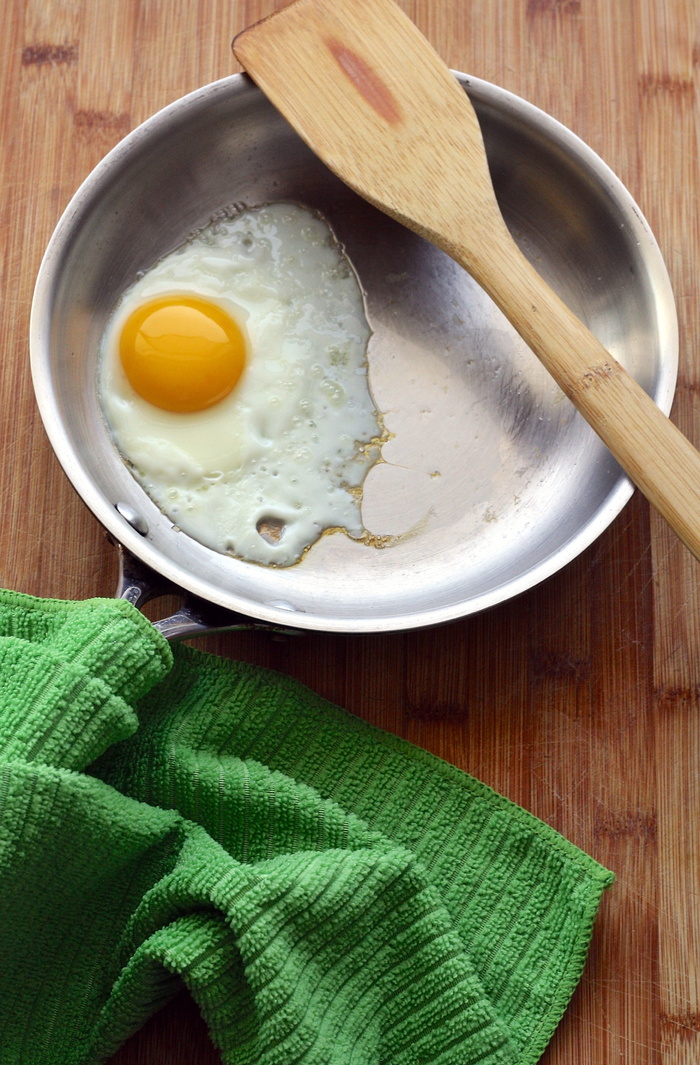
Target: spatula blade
column 371, row 97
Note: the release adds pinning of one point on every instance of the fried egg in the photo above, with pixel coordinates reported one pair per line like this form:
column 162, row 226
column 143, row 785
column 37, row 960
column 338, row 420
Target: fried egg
column 233, row 378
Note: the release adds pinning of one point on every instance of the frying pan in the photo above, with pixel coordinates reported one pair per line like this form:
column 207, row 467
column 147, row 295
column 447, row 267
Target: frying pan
column 490, row 483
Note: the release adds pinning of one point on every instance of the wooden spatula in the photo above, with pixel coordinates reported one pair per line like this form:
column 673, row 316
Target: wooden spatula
column 375, row 102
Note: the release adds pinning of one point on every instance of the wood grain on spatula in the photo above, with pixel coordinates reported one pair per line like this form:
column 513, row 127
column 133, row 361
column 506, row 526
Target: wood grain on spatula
column 375, row 102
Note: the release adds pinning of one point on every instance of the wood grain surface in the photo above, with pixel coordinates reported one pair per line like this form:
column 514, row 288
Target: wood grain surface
column 581, row 699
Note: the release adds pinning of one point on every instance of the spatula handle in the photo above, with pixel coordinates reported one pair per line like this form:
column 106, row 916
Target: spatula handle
column 660, row 461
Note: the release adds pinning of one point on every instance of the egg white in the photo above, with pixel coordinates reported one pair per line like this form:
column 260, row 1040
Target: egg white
column 263, row 473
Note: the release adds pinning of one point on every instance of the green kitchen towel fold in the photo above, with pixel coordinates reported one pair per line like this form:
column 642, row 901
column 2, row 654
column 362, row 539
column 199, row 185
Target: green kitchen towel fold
column 328, row 892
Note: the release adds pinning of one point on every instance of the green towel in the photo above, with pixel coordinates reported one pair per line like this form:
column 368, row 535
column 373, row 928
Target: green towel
column 327, row 892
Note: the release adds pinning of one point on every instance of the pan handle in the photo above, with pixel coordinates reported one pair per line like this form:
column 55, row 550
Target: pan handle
column 138, row 583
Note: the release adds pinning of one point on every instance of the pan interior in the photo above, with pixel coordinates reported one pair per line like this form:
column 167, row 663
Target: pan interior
column 491, row 481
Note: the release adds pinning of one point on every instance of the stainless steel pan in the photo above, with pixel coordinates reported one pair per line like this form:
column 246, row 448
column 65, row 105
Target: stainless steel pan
column 491, row 482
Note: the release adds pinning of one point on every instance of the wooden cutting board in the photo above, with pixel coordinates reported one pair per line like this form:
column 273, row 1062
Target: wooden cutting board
column 580, row 700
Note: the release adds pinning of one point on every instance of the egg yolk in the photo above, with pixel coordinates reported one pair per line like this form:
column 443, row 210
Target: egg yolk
column 182, row 353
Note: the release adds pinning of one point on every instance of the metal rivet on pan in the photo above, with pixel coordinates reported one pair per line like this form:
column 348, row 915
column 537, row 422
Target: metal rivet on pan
column 136, row 520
